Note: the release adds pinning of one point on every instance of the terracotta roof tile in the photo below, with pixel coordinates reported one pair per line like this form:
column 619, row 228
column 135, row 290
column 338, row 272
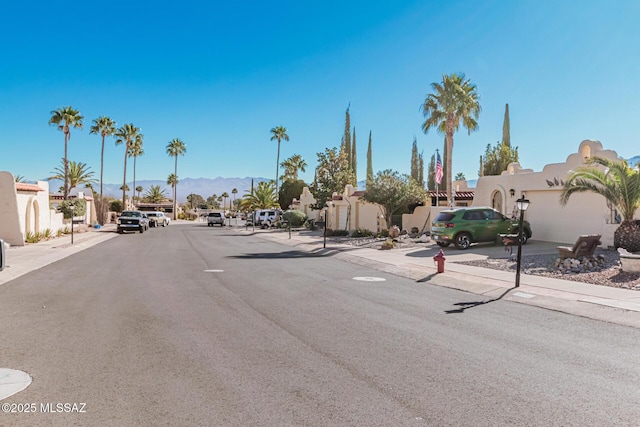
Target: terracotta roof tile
column 21, row 186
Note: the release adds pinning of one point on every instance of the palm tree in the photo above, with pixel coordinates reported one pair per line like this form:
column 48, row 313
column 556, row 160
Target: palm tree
column 619, row 184
column 22, row 179
column 155, row 194
column 172, row 180
column 455, row 100
column 175, row 148
column 279, row 133
column 139, row 190
column 263, row 196
column 105, row 127
column 65, row 118
column 292, row 165
column 134, row 151
column 126, row 135
column 78, row 173
column 234, row 192
column 225, row 195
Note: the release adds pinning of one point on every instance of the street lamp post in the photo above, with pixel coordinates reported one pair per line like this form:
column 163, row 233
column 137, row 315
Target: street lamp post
column 326, row 210
column 522, row 204
column 72, row 211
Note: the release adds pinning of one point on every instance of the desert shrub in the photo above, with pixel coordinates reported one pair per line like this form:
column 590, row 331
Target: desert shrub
column 295, row 217
column 116, row 206
column 362, row 232
column 383, row 233
column 337, row 233
column 32, row 237
column 80, row 207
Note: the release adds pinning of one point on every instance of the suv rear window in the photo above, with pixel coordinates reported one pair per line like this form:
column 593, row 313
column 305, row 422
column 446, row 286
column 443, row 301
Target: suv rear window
column 445, row 216
column 215, row 214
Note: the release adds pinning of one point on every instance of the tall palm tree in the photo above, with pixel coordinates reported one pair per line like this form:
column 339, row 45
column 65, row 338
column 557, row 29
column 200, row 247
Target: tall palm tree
column 225, row 195
column 139, row 190
column 103, row 126
column 453, row 102
column 234, row 192
column 172, row 180
column 65, row 118
column 619, row 184
column 176, row 148
column 78, row 173
column 278, row 133
column 134, row 151
column 292, row 165
column 126, row 135
column 155, row 194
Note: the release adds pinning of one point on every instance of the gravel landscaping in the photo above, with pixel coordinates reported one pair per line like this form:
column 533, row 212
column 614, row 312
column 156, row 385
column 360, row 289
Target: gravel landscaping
column 605, row 272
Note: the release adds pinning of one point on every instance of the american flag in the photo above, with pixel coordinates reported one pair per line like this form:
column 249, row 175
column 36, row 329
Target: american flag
column 438, row 169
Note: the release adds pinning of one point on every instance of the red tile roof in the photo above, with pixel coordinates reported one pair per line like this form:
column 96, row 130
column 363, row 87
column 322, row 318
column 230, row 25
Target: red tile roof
column 21, row 186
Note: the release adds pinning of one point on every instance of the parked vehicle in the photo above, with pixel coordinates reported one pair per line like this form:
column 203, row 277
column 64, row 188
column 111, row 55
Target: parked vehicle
column 132, row 221
column 157, row 218
column 215, row 218
column 465, row 226
column 267, row 217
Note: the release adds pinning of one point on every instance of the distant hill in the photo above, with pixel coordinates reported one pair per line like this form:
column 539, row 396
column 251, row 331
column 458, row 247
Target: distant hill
column 634, row 161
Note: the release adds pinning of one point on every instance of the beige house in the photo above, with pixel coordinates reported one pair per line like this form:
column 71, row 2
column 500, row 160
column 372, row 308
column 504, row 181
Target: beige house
column 346, row 211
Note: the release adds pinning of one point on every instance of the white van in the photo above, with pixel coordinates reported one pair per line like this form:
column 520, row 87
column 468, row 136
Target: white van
column 267, row 217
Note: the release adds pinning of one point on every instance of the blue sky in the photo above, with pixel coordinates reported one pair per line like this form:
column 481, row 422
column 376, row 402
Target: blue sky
column 220, row 75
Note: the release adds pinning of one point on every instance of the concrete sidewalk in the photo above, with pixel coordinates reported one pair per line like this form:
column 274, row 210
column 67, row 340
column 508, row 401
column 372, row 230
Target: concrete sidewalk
column 616, row 305
column 21, row 260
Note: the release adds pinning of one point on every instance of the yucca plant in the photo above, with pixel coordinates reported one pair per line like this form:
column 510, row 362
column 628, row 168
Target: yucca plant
column 617, row 182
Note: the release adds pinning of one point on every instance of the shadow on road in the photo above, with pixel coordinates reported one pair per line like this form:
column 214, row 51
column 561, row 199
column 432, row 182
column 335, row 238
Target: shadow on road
column 286, row 254
column 467, row 305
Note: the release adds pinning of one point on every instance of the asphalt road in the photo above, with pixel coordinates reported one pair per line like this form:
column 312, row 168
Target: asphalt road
column 198, row 326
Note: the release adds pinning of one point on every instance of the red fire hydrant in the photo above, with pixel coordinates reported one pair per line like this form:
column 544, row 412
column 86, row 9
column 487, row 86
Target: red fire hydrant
column 439, row 261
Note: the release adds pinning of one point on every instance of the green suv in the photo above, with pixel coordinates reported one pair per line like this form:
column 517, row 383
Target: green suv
column 470, row 225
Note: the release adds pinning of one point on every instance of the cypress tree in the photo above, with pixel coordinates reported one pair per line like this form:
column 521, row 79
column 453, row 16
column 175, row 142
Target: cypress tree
column 431, row 174
column 369, row 164
column 414, row 160
column 354, row 161
column 506, row 128
column 346, row 139
column 421, row 169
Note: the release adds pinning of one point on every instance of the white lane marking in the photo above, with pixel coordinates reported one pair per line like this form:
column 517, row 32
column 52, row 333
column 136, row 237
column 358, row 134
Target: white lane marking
column 370, row 279
column 213, row 271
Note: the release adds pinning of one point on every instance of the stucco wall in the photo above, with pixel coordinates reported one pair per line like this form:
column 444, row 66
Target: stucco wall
column 10, row 230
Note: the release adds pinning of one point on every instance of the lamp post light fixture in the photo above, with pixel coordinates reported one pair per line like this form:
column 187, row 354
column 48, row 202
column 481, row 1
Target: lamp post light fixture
column 72, row 207
column 522, row 204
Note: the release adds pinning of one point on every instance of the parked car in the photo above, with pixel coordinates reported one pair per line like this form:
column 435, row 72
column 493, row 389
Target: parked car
column 157, row 218
column 215, row 218
column 267, row 217
column 465, row 226
column 132, row 221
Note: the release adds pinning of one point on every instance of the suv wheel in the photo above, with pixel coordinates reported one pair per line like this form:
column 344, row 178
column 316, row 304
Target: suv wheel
column 443, row 244
column 141, row 229
column 462, row 241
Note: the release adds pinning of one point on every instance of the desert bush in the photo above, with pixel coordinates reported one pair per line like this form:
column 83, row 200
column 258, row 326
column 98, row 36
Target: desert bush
column 383, row 233
column 337, row 233
column 295, row 217
column 362, row 232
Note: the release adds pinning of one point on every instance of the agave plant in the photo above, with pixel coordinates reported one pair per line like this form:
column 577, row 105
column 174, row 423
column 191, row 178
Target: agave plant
column 617, row 182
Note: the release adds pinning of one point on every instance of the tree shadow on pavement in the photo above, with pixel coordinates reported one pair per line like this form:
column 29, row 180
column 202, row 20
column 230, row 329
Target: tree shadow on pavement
column 467, row 305
column 285, row 254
